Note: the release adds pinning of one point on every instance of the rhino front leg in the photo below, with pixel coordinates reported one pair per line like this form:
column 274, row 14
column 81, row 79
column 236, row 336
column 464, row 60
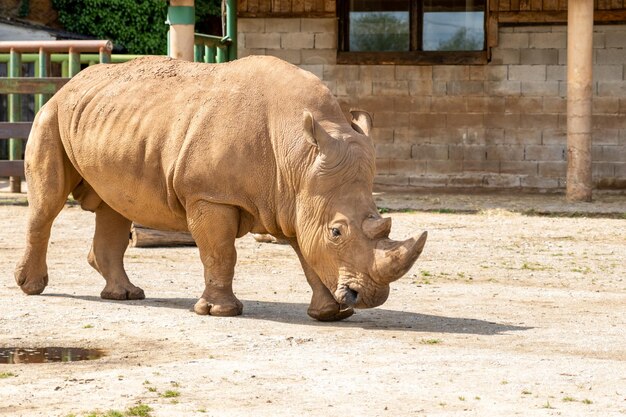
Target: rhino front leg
column 214, row 227
column 107, row 254
column 323, row 305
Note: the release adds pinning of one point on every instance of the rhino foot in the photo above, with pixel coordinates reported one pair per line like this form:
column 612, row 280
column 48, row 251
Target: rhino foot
column 127, row 292
column 31, row 279
column 33, row 287
column 204, row 308
column 335, row 313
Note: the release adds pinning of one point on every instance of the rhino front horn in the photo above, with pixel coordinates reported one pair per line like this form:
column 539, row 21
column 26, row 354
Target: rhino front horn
column 393, row 259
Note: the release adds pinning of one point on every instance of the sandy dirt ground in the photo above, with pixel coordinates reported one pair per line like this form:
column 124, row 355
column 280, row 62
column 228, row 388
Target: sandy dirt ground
column 504, row 314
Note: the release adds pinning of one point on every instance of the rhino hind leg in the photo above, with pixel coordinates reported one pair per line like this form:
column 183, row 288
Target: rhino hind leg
column 107, row 254
column 50, row 177
column 323, row 306
column 214, row 227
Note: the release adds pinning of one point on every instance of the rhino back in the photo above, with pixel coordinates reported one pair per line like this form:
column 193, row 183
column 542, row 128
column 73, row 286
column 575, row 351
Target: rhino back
column 155, row 134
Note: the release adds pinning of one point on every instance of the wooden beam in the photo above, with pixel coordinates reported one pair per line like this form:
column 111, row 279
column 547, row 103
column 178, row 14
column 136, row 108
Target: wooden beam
column 579, row 96
column 144, row 237
column 56, row 46
column 19, row 130
column 413, row 58
column 29, row 85
column 294, row 14
column 559, row 16
column 12, row 169
column 492, row 30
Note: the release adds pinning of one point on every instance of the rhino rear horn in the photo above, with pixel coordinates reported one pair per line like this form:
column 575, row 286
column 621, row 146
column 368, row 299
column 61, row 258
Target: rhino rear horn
column 393, row 259
column 377, row 228
column 361, row 121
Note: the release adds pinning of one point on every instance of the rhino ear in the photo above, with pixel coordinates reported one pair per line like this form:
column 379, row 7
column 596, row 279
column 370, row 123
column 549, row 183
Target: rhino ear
column 328, row 147
column 361, row 121
column 309, row 128
column 316, row 135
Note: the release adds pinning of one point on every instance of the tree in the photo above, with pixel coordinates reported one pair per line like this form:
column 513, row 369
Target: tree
column 134, row 26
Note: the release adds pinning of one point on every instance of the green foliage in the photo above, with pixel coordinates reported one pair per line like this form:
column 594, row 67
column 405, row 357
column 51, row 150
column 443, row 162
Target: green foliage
column 207, row 8
column 141, row 410
column 24, row 8
column 134, row 26
column 170, row 394
column 431, row 341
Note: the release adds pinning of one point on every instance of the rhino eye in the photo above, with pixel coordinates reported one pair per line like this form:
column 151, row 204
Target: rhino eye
column 335, row 232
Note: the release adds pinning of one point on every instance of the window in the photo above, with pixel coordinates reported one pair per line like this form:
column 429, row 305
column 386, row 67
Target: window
column 412, row 31
column 379, row 25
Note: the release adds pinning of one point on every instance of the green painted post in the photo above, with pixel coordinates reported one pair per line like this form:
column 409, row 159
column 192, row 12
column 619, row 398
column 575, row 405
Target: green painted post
column 37, row 97
column 168, row 39
column 222, row 55
column 65, row 68
column 209, row 54
column 15, row 115
column 231, row 28
column 104, row 56
column 181, row 20
column 42, row 71
column 74, row 64
column 197, row 53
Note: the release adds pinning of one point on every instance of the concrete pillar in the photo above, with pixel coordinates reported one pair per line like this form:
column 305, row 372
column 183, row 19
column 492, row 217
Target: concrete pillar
column 180, row 16
column 579, row 94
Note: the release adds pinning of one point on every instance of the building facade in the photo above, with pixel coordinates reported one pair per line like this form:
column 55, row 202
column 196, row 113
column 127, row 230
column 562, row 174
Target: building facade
column 463, row 94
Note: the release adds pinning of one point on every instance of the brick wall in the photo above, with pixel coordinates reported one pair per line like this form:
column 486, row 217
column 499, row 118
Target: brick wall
column 501, row 125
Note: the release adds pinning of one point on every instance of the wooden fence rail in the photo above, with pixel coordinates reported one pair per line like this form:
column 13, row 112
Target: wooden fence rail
column 71, row 54
column 43, row 87
column 20, row 130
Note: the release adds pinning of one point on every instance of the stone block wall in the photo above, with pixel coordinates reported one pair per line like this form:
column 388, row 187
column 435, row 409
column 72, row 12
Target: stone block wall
column 500, row 125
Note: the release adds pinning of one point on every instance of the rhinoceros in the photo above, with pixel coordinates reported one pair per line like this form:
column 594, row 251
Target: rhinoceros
column 257, row 145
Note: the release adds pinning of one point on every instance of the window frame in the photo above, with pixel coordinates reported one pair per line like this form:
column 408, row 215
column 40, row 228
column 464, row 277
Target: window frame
column 412, row 57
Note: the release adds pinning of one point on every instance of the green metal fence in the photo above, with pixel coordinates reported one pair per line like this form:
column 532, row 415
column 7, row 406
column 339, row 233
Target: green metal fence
column 71, row 56
column 15, row 130
column 219, row 49
column 213, row 49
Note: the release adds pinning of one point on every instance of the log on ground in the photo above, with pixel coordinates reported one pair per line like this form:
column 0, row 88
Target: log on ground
column 145, row 237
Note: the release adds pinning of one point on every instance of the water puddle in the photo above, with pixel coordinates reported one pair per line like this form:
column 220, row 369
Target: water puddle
column 12, row 355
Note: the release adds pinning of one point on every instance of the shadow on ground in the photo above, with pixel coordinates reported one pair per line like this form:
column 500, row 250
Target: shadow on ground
column 295, row 313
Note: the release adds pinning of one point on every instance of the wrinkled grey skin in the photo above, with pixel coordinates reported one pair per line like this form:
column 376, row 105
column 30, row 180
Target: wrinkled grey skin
column 257, row 145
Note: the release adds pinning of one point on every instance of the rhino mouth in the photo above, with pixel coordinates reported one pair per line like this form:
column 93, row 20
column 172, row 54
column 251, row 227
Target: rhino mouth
column 347, row 295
